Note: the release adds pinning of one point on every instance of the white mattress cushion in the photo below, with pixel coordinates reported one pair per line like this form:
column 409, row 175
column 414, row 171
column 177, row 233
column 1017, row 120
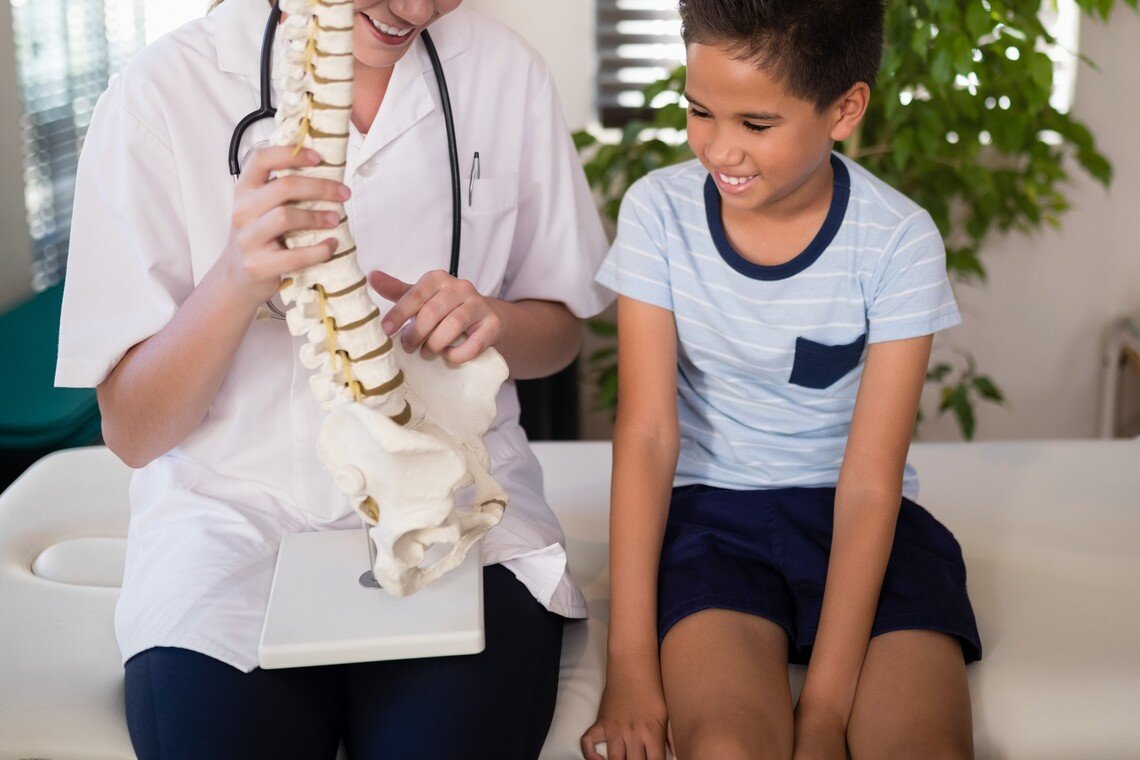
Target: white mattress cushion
column 1049, row 531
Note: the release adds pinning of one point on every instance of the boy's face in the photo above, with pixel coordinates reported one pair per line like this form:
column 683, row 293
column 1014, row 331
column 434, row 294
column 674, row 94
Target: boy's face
column 760, row 143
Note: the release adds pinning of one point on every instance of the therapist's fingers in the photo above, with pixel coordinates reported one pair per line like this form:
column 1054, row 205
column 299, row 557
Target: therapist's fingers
column 265, row 161
column 440, row 319
column 480, row 336
column 268, row 229
column 452, row 311
column 283, row 190
column 268, row 264
column 437, row 311
column 389, row 288
column 457, row 322
column 409, row 303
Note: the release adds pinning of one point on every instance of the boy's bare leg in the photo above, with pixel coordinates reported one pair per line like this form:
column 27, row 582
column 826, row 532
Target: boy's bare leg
column 913, row 699
column 725, row 676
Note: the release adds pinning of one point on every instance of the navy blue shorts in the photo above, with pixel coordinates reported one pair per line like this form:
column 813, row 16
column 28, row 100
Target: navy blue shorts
column 765, row 552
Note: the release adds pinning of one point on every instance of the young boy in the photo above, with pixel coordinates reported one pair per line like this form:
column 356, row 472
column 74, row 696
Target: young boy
column 776, row 311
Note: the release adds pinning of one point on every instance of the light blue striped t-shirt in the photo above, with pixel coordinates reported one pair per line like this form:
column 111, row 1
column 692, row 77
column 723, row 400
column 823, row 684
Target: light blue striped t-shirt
column 770, row 357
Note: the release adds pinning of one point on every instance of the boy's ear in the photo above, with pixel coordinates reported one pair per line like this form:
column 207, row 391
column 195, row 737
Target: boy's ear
column 849, row 110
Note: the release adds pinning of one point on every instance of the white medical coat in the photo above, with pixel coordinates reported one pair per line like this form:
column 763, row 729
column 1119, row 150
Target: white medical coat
column 152, row 213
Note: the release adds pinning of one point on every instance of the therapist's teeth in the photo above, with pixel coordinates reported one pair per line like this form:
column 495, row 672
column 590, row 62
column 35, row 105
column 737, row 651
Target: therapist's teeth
column 392, row 30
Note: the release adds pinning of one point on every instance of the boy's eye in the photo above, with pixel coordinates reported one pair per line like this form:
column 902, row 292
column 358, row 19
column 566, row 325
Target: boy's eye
column 698, row 113
column 757, row 127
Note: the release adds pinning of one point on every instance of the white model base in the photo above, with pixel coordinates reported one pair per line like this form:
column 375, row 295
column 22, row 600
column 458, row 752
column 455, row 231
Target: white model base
column 320, row 614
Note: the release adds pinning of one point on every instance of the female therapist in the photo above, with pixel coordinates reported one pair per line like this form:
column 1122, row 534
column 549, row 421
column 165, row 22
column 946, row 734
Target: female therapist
column 170, row 261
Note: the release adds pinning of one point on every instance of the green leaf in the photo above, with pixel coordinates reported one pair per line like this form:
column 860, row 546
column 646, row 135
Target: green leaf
column 602, row 354
column 602, row 327
column 631, row 131
column 1096, row 165
column 942, row 68
column 985, row 386
column 607, row 385
column 979, row 22
column 583, row 140
column 939, row 372
column 964, row 263
column 959, row 403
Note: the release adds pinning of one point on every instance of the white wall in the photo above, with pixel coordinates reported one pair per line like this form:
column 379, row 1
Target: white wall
column 563, row 31
column 16, row 245
column 1037, row 327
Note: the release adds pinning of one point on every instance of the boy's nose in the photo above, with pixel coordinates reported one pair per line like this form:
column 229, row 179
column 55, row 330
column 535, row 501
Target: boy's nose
column 723, row 152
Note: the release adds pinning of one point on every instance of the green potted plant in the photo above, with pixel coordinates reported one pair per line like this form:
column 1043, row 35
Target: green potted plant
column 961, row 120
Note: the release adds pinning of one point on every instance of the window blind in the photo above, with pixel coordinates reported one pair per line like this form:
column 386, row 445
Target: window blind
column 639, row 42
column 65, row 54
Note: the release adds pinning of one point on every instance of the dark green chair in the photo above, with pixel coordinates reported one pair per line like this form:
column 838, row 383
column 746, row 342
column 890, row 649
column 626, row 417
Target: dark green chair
column 37, row 418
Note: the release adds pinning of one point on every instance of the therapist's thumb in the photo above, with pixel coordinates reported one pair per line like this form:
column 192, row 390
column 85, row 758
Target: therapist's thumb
column 387, row 286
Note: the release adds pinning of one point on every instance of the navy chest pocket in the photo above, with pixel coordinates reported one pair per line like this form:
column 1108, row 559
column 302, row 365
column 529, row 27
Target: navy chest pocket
column 818, row 365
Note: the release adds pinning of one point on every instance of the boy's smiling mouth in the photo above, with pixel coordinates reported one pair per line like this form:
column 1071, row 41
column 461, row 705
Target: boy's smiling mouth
column 734, row 184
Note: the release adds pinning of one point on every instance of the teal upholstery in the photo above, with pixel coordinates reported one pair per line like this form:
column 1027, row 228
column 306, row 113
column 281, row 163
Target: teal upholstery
column 34, row 414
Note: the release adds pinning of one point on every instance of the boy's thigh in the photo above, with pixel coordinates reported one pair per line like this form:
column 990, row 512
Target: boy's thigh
column 183, row 704
column 495, row 704
column 913, row 699
column 725, row 675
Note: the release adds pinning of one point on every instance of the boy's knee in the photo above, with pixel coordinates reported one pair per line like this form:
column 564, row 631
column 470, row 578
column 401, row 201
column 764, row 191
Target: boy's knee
column 713, row 742
column 928, row 751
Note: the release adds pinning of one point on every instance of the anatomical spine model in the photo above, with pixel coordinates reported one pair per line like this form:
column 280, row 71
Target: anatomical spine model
column 403, row 433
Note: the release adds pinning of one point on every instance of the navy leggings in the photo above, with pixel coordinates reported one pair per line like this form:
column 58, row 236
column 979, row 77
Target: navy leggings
column 496, row 704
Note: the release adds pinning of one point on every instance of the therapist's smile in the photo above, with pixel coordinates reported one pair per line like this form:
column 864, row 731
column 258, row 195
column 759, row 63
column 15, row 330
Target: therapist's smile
column 389, row 33
column 385, row 29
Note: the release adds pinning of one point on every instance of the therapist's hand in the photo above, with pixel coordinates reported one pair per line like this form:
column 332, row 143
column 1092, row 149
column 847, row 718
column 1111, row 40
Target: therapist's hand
column 441, row 309
column 255, row 258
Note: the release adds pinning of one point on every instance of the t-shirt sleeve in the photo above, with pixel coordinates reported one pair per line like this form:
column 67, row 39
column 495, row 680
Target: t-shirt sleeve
column 910, row 293
column 637, row 266
column 559, row 241
column 128, row 264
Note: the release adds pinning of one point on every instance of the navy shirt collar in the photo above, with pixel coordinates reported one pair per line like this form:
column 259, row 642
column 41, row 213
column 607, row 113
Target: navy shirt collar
column 803, row 260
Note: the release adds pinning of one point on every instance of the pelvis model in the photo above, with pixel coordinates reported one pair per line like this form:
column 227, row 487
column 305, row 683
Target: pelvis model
column 403, row 433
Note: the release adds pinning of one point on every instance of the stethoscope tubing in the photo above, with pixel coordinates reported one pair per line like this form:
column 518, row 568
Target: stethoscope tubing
column 266, row 111
column 452, row 150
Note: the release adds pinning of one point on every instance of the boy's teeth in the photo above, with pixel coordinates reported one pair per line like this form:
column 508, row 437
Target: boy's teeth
column 734, row 180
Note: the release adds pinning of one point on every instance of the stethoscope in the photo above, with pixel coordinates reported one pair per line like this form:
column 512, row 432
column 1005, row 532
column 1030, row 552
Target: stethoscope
column 267, row 111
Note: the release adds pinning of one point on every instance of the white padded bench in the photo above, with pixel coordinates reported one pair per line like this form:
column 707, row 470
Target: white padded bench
column 1050, row 530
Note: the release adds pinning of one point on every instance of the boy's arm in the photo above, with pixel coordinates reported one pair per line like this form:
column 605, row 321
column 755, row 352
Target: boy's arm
column 646, row 444
column 866, row 510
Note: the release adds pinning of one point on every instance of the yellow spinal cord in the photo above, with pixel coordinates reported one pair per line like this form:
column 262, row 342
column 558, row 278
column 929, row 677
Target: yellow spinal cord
column 329, row 302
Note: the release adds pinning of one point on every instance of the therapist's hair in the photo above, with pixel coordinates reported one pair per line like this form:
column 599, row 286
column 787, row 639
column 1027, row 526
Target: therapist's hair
column 818, row 49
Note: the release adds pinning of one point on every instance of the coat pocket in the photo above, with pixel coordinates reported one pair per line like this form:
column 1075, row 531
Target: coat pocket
column 818, row 365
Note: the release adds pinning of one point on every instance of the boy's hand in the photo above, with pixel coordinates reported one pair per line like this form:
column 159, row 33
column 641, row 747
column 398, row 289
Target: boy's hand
column 631, row 719
column 818, row 736
column 441, row 309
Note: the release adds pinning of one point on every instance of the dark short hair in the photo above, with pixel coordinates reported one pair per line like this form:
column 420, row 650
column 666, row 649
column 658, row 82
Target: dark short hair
column 819, row 48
